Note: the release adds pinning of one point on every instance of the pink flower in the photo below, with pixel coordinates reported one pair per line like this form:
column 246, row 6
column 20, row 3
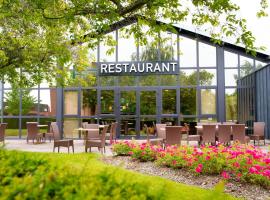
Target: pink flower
column 207, row 158
column 266, row 173
column 225, row 175
column 174, row 162
column 253, row 170
column 199, row 168
column 130, row 153
column 236, row 164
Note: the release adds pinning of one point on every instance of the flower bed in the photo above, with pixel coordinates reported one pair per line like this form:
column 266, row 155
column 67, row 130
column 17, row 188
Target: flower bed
column 237, row 162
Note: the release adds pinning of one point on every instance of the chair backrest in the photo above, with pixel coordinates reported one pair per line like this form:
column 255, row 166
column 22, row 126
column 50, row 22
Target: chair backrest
column 55, row 131
column 208, row 133
column 32, row 129
column 258, row 128
column 2, row 131
column 113, row 130
column 228, row 123
column 224, row 133
column 161, row 133
column 93, row 133
column 84, row 124
column 173, row 135
column 103, row 135
column 239, row 132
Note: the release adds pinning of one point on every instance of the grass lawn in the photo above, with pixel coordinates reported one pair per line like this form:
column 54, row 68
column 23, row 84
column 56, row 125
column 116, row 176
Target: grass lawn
column 26, row 175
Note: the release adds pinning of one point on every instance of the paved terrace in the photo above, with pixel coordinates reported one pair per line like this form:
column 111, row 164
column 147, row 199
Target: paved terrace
column 20, row 144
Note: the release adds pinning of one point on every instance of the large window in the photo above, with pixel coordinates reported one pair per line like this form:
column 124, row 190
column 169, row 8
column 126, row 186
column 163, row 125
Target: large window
column 89, row 102
column 169, row 101
column 71, row 102
column 188, row 101
column 208, row 101
column 148, row 103
column 107, row 101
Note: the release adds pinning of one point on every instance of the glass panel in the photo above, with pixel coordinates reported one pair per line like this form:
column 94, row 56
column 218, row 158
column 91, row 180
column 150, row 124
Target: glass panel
column 207, row 55
column 231, row 76
column 127, row 80
column 107, row 80
column 87, row 79
column 245, row 71
column 188, row 77
column 170, row 121
column 23, row 125
column 259, row 64
column 11, row 102
column 187, row 52
column 231, row 104
column 12, row 129
column 127, row 49
column 168, row 49
column 107, row 53
column 208, row 120
column 71, row 102
column 188, row 99
column 208, row 101
column 128, row 102
column 148, row 103
column 246, row 62
column 90, row 120
column 107, row 101
column 89, row 102
column 169, row 101
column 231, row 59
column 150, row 80
column 127, row 126
column 147, row 123
column 48, row 99
column 70, row 126
column 208, row 77
column 106, row 121
column 45, row 121
column 168, row 80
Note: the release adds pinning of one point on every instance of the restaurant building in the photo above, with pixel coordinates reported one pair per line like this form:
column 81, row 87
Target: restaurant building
column 186, row 78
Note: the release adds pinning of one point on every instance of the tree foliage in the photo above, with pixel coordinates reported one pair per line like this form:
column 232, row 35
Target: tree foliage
column 38, row 38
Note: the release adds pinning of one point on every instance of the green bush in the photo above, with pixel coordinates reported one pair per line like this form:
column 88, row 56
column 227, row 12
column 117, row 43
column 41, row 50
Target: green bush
column 81, row 176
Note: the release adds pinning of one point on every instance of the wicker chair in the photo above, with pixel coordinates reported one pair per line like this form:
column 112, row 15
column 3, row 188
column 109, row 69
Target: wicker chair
column 33, row 132
column 258, row 132
column 3, row 127
column 239, row 133
column 58, row 142
column 209, row 134
column 173, row 135
column 161, row 135
column 224, row 133
column 196, row 138
column 112, row 133
column 92, row 134
column 49, row 134
column 100, row 144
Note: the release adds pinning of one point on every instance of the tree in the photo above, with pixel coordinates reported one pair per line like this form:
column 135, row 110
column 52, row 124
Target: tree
column 12, row 102
column 39, row 37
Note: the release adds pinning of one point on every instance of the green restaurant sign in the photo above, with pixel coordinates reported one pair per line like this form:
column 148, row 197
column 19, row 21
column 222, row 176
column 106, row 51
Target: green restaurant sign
column 137, row 68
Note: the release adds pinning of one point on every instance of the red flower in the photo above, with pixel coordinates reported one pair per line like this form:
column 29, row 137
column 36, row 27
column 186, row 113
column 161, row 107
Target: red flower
column 253, row 170
column 199, row 168
column 207, row 158
column 225, row 175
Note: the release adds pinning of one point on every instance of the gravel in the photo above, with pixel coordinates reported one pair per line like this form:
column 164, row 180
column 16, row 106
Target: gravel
column 237, row 189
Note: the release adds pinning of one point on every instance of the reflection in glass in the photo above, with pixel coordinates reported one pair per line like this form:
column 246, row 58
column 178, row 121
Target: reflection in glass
column 188, row 97
column 169, row 101
column 168, row 45
column 107, row 80
column 127, row 80
column 245, row 71
column 12, row 127
column 187, row 52
column 89, row 102
column 70, row 126
column 128, row 102
column 231, row 76
column 47, row 106
column 170, row 121
column 150, row 80
column 107, row 101
column 208, row 77
column 87, row 79
column 207, row 55
column 11, row 102
column 23, row 125
column 246, row 62
column 230, row 59
column 231, row 104
column 106, row 121
column 208, row 101
column 188, row 77
column 71, row 102
column 127, row 126
column 147, row 124
column 148, row 103
column 259, row 64
column 168, row 80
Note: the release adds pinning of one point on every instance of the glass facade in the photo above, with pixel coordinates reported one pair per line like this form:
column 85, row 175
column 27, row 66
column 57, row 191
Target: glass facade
column 136, row 101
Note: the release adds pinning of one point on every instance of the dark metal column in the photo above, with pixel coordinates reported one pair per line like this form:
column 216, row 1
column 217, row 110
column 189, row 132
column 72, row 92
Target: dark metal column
column 221, row 107
column 60, row 108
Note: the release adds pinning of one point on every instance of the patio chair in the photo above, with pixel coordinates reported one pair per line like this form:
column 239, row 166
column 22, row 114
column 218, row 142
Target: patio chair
column 3, row 127
column 228, row 123
column 196, row 138
column 161, row 135
column 209, row 134
column 92, row 134
column 112, row 133
column 49, row 134
column 84, row 124
column 239, row 133
column 173, row 135
column 33, row 132
column 224, row 133
column 100, row 144
column 258, row 132
column 58, row 142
